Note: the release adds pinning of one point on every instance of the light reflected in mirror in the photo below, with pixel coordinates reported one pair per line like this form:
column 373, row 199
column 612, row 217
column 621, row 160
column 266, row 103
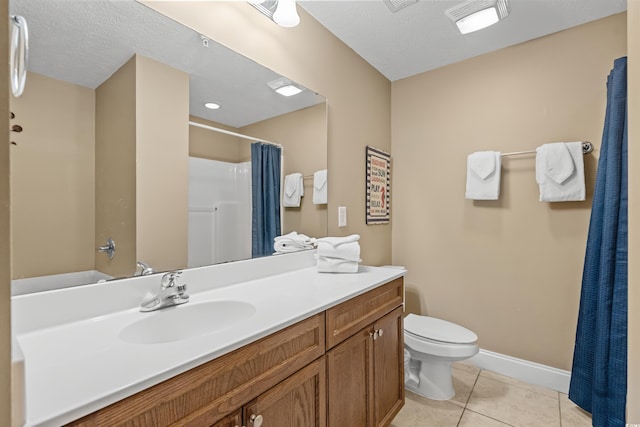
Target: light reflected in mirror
column 78, row 49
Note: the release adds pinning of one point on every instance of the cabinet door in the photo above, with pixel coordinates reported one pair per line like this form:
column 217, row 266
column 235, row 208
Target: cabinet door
column 299, row 401
column 232, row 420
column 350, row 382
column 388, row 365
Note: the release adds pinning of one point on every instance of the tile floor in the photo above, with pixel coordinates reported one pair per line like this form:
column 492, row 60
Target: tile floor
column 486, row 399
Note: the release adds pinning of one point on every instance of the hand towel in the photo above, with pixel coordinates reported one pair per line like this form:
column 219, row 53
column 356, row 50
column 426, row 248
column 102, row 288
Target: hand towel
column 293, row 190
column 346, row 251
column 560, row 172
column 293, row 242
column 320, row 187
column 483, row 175
column 334, row 265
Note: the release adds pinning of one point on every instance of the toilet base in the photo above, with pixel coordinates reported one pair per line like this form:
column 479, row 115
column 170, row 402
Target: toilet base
column 431, row 379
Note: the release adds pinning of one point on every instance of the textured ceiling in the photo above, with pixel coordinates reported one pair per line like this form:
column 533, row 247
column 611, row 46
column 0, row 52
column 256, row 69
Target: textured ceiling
column 420, row 37
column 85, row 42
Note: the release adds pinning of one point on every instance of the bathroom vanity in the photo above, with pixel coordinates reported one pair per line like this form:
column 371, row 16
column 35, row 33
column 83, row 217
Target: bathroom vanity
column 318, row 350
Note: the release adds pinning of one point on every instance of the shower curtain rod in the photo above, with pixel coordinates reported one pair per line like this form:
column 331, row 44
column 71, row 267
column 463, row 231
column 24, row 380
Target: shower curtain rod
column 228, row 132
column 587, row 148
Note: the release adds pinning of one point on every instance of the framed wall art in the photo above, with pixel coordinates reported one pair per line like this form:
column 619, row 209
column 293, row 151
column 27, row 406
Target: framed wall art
column 378, row 186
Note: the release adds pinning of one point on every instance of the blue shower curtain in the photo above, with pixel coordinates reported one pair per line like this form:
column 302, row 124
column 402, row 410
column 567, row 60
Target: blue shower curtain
column 599, row 374
column 265, row 197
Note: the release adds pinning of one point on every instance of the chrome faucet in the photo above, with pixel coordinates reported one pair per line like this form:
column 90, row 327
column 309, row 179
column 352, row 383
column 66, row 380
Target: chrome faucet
column 144, row 269
column 171, row 293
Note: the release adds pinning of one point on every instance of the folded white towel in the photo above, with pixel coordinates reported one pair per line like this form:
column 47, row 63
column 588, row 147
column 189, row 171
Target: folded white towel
column 293, row 242
column 293, row 190
column 346, row 251
column 320, row 187
column 560, row 172
column 483, row 175
column 334, row 265
column 337, row 241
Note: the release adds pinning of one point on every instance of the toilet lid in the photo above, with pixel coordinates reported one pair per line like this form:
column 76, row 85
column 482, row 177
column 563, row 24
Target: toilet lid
column 438, row 330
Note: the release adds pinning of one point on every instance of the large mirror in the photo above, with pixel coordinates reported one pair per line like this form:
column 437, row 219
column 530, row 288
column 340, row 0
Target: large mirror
column 116, row 143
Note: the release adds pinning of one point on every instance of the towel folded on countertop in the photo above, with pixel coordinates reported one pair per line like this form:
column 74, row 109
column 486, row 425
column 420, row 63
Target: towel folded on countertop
column 483, row 175
column 293, row 242
column 320, row 187
column 293, row 190
column 560, row 172
column 336, row 265
column 338, row 254
column 343, row 248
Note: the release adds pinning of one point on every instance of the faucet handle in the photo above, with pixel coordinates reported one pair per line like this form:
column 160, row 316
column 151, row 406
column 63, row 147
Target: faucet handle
column 182, row 290
column 169, row 279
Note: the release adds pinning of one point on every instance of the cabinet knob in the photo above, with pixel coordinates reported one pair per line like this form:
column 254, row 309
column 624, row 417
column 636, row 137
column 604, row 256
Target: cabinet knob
column 374, row 335
column 380, row 332
column 256, row 420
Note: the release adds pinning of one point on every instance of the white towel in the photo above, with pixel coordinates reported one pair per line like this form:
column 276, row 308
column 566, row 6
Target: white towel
column 320, row 187
column 293, row 242
column 560, row 172
column 337, row 241
column 347, row 251
column 293, row 190
column 483, row 175
column 334, row 265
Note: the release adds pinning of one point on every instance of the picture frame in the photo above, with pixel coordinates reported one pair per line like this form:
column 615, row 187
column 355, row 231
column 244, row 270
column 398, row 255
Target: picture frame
column 378, row 178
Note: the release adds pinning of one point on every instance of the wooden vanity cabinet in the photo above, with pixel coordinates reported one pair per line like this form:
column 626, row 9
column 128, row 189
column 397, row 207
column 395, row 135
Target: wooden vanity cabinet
column 288, row 379
column 299, row 401
column 232, row 420
column 365, row 370
column 206, row 395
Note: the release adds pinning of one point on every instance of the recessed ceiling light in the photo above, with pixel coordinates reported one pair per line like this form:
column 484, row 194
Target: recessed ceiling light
column 211, row 105
column 289, row 90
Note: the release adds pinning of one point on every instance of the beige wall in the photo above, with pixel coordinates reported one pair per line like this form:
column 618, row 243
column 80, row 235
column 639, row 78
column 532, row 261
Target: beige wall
column 116, row 170
column 509, row 269
column 303, row 136
column 206, row 144
column 5, row 230
column 633, row 90
column 162, row 150
column 52, row 183
column 142, row 140
column 358, row 97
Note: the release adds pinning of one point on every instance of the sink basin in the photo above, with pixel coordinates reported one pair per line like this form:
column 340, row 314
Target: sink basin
column 186, row 321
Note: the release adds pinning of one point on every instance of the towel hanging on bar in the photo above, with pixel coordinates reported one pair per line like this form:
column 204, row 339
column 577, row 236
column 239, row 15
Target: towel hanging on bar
column 587, row 148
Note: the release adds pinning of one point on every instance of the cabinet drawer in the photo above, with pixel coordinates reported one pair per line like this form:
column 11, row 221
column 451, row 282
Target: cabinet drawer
column 206, row 394
column 349, row 317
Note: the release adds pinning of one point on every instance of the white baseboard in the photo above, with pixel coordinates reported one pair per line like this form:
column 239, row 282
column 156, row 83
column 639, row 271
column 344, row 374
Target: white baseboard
column 523, row 370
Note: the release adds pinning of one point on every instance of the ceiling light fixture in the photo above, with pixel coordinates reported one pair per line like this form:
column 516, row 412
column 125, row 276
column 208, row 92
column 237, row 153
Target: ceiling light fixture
column 211, row 105
column 286, row 14
column 289, row 90
column 285, row 87
column 396, row 5
column 282, row 12
column 475, row 15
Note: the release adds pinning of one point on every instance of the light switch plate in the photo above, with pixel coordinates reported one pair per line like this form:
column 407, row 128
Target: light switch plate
column 342, row 216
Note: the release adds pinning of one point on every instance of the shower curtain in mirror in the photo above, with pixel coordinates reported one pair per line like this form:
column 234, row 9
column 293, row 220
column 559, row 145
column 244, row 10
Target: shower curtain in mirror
column 265, row 197
column 599, row 374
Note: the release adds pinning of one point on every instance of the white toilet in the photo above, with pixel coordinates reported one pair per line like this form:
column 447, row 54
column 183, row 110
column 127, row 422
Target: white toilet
column 433, row 344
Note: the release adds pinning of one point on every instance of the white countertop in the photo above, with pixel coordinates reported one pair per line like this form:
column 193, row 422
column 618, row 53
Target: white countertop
column 78, row 367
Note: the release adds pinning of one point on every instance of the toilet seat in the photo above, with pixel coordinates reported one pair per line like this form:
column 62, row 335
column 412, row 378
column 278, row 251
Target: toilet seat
column 438, row 330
